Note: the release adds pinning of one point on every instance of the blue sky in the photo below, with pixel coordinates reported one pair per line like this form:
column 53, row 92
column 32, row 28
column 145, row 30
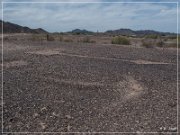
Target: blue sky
column 63, row 17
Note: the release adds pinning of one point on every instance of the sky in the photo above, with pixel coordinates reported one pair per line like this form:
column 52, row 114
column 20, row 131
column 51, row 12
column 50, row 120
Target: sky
column 62, row 17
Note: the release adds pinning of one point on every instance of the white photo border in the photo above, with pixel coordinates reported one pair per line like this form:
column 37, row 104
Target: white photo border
column 138, row 2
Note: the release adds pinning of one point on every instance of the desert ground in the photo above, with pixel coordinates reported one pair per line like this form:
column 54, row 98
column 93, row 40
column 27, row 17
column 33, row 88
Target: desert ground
column 53, row 86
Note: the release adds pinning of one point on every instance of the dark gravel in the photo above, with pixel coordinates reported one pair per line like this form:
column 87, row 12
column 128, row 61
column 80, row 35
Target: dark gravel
column 85, row 88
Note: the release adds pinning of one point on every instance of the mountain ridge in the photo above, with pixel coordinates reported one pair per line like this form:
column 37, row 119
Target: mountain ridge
column 130, row 32
column 15, row 28
column 9, row 27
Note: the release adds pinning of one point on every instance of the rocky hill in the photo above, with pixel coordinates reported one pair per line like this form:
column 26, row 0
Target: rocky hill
column 130, row 32
column 14, row 28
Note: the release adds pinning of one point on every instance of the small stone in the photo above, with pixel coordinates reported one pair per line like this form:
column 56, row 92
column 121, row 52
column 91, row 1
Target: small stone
column 43, row 109
column 174, row 129
column 80, row 112
column 43, row 125
column 68, row 128
column 172, row 104
column 54, row 114
column 68, row 116
column 35, row 115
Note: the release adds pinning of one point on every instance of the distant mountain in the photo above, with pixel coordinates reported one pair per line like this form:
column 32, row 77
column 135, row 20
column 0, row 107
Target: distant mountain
column 130, row 32
column 40, row 31
column 14, row 28
column 121, row 32
column 150, row 32
column 79, row 31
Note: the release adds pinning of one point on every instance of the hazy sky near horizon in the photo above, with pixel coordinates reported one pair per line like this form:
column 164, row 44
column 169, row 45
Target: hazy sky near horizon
column 61, row 17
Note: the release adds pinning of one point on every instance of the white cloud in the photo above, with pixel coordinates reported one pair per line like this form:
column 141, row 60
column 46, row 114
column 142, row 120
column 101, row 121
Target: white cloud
column 99, row 16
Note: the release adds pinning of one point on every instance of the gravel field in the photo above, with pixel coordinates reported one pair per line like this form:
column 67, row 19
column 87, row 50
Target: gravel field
column 81, row 87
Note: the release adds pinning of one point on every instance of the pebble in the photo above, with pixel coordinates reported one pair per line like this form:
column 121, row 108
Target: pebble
column 68, row 116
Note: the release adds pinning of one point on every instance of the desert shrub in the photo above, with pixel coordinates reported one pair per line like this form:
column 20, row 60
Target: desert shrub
column 77, row 33
column 50, row 38
column 174, row 45
column 165, row 39
column 68, row 40
column 153, row 36
column 38, row 37
column 61, row 38
column 5, row 38
column 172, row 37
column 35, row 37
column 160, row 44
column 173, row 42
column 86, row 40
column 147, row 44
column 120, row 40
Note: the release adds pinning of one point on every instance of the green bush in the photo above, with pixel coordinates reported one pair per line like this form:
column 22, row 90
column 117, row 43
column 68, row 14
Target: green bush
column 153, row 36
column 120, row 40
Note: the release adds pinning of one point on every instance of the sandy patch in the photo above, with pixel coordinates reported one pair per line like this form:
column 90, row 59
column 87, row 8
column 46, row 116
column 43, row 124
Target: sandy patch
column 75, row 82
column 60, row 52
column 88, row 57
column 134, row 88
column 46, row 52
column 14, row 64
column 82, row 83
column 140, row 62
column 129, row 88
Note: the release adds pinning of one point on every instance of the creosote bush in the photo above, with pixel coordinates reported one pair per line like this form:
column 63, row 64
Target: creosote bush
column 61, row 38
column 36, row 37
column 173, row 45
column 120, row 40
column 86, row 40
column 50, row 38
column 147, row 44
column 160, row 44
column 68, row 40
column 152, row 36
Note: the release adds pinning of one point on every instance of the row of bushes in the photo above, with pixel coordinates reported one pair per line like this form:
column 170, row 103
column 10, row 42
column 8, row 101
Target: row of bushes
column 120, row 40
column 145, row 42
column 59, row 38
column 115, row 40
column 159, row 44
column 152, row 36
column 152, row 43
